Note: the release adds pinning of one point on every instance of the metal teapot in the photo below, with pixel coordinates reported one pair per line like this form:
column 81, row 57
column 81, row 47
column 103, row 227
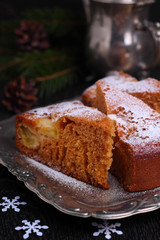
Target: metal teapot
column 120, row 37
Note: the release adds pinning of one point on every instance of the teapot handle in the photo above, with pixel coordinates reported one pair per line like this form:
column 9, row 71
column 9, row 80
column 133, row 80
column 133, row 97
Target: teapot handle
column 154, row 28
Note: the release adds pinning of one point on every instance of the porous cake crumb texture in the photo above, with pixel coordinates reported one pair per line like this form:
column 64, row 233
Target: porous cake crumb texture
column 137, row 144
column 76, row 139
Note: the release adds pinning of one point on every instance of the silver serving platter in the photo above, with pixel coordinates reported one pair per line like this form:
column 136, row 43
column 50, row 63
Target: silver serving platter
column 68, row 194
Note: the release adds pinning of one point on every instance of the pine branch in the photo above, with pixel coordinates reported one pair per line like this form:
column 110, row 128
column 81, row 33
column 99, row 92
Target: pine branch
column 49, row 87
column 52, row 69
column 58, row 74
column 9, row 64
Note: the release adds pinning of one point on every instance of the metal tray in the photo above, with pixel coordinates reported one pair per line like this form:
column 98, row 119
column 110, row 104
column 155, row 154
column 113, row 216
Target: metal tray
column 68, row 194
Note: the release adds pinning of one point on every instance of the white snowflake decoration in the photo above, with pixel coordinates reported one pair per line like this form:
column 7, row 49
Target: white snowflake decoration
column 106, row 229
column 7, row 203
column 29, row 227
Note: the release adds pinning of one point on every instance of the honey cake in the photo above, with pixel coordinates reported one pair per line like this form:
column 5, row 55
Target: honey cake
column 89, row 95
column 137, row 145
column 148, row 90
column 76, row 139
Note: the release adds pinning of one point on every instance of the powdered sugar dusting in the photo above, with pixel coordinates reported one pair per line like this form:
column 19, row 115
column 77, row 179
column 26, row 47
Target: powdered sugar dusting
column 142, row 126
column 40, row 112
column 119, row 79
column 148, row 85
column 76, row 109
column 127, row 84
column 130, row 85
column 115, row 80
column 84, row 192
column 68, row 108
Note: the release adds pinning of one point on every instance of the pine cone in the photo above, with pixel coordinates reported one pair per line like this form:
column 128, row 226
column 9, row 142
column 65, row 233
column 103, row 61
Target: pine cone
column 31, row 36
column 19, row 95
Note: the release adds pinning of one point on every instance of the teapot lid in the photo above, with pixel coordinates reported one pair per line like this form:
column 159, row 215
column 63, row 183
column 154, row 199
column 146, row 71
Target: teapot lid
column 138, row 2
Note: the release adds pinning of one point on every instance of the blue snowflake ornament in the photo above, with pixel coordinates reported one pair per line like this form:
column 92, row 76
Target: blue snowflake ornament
column 29, row 227
column 11, row 203
column 106, row 229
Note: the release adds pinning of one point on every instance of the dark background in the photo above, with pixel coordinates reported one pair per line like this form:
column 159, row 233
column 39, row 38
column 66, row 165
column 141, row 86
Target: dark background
column 10, row 8
column 61, row 226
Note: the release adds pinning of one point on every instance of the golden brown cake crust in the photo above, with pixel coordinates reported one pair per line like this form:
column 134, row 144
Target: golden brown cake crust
column 148, row 90
column 78, row 140
column 89, row 95
column 137, row 147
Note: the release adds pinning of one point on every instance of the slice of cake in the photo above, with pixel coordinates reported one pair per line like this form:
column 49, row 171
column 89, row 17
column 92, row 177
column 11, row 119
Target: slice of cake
column 137, row 145
column 118, row 79
column 148, row 90
column 78, row 140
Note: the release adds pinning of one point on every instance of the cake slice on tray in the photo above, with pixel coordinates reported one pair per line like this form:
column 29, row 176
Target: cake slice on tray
column 76, row 139
column 137, row 145
column 148, row 90
column 118, row 79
